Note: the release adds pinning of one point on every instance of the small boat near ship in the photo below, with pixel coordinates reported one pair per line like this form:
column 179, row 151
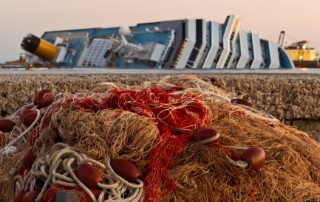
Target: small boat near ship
column 301, row 54
column 177, row 44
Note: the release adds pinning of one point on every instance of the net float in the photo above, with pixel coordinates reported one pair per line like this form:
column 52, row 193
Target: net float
column 234, row 154
column 125, row 169
column 88, row 175
column 3, row 139
column 205, row 135
column 243, row 102
column 30, row 196
column 19, row 196
column 44, row 98
column 254, row 156
column 28, row 159
column 28, row 116
column 6, row 125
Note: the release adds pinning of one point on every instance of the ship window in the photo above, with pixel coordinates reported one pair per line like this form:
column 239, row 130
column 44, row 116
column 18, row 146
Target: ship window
column 98, row 49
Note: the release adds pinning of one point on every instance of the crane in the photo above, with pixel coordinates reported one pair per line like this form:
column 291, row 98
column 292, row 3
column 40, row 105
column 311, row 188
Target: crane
column 281, row 38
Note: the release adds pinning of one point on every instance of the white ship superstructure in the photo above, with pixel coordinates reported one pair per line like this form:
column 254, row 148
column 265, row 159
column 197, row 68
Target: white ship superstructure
column 179, row 44
column 214, row 46
column 257, row 53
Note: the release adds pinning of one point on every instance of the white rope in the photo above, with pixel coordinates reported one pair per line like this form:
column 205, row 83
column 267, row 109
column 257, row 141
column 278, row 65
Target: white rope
column 256, row 113
column 239, row 163
column 211, row 139
column 238, row 147
column 18, row 182
column 99, row 85
column 15, row 114
column 58, row 169
column 22, row 134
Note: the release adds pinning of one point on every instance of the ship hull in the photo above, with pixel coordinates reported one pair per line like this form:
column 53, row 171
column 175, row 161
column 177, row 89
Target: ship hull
column 179, row 44
column 306, row 64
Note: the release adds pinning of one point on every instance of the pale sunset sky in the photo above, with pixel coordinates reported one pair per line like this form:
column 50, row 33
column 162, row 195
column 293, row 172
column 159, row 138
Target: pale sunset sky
column 299, row 18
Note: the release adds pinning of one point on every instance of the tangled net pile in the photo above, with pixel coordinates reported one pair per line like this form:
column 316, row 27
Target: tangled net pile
column 180, row 139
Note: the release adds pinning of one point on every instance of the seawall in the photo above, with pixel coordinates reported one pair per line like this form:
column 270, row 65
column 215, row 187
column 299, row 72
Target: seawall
column 292, row 98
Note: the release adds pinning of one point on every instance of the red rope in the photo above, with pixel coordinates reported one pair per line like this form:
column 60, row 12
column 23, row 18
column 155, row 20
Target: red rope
column 180, row 112
column 157, row 182
column 176, row 114
column 253, row 193
column 34, row 136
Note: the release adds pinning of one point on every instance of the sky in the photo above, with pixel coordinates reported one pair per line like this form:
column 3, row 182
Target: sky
column 298, row 18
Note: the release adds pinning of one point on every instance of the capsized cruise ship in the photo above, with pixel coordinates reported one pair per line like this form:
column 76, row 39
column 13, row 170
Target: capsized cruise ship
column 178, row 44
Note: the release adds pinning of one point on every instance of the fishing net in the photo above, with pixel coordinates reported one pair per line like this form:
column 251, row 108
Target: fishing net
column 289, row 174
column 57, row 167
column 7, row 173
column 108, row 133
column 14, row 147
column 153, row 126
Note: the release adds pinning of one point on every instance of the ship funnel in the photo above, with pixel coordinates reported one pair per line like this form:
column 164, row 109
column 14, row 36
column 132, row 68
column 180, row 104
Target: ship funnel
column 39, row 47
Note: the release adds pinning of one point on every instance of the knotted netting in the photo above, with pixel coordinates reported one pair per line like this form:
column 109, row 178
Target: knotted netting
column 153, row 126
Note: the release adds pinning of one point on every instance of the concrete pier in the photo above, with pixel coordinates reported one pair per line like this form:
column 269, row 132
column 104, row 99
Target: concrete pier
column 293, row 98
